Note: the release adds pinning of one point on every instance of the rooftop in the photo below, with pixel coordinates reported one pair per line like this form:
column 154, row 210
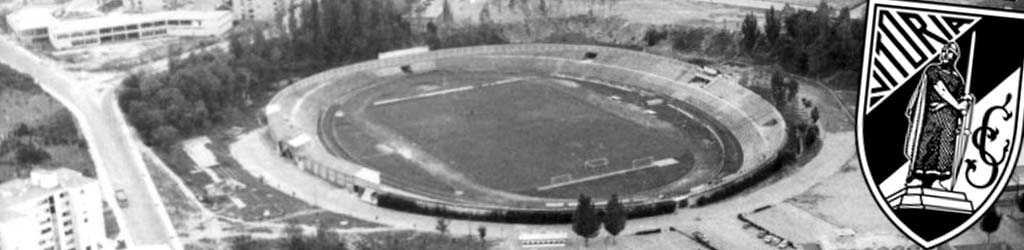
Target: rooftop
column 38, row 17
column 42, row 182
column 32, row 17
column 116, row 19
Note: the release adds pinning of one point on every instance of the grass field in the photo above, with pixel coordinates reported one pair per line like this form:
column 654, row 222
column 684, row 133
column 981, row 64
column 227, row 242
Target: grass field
column 51, row 126
column 517, row 136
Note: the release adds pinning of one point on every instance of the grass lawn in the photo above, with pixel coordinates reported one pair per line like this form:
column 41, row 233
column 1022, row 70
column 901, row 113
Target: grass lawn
column 51, row 127
column 180, row 209
column 517, row 136
column 179, row 163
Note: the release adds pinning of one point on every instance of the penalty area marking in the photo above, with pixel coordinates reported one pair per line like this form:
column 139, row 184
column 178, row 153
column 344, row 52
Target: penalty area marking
column 659, row 163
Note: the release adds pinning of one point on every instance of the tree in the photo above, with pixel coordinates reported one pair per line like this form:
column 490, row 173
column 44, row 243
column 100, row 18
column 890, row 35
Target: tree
column 243, row 242
column 482, row 232
column 653, row 36
column 485, row 15
column 792, row 88
column 164, row 135
column 313, row 20
column 88, row 172
column 236, row 47
column 810, row 135
column 688, row 39
column 778, row 88
column 751, row 34
column 442, row 225
column 31, row 155
column 325, row 238
column 584, row 220
column 295, row 239
column 296, row 243
column 1020, row 203
column 615, row 217
column 772, row 26
column 542, row 7
column 22, row 130
column 447, row 17
column 990, row 222
column 815, row 115
column 721, row 43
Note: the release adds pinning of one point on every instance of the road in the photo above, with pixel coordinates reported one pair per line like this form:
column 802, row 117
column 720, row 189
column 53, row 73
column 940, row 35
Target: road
column 144, row 223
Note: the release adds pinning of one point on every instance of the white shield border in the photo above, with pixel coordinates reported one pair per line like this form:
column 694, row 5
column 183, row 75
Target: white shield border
column 861, row 108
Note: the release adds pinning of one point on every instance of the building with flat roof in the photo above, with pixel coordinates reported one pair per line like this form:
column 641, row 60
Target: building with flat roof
column 39, row 25
column 31, row 24
column 51, row 210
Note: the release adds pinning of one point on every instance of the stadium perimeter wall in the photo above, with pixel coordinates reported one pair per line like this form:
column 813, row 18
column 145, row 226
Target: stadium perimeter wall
column 296, row 111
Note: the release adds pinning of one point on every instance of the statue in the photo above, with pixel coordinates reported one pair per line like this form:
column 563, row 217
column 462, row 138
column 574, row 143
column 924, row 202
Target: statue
column 937, row 111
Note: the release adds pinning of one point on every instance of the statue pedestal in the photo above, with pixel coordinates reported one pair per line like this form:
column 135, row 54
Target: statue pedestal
column 930, row 199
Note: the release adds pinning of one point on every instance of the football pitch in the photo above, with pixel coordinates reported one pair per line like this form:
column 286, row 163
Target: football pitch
column 520, row 135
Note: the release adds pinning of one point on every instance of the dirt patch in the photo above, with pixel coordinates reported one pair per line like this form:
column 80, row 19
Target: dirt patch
column 183, row 213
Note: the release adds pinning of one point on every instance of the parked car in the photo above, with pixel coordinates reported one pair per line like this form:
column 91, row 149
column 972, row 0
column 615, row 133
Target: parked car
column 122, row 199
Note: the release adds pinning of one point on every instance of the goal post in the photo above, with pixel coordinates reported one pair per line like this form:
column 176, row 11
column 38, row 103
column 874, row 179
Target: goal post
column 596, row 163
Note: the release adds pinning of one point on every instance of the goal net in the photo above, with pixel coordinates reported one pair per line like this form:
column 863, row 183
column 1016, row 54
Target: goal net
column 596, row 163
column 643, row 162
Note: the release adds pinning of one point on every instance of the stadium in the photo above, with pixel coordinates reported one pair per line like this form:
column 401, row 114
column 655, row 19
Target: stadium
column 514, row 133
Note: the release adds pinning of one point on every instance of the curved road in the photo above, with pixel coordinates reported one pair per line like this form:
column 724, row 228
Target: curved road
column 144, row 223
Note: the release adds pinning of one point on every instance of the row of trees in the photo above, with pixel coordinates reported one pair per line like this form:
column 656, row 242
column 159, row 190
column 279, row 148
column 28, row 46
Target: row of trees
column 345, row 30
column 817, row 42
column 587, row 220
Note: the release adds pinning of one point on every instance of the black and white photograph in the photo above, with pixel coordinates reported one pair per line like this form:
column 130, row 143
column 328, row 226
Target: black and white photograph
column 511, row 124
column 957, row 83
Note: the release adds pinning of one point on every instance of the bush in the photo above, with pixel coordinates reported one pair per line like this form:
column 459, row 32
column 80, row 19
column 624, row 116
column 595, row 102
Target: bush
column 688, row 39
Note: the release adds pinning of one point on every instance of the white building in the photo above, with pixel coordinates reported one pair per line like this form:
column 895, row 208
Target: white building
column 263, row 10
column 51, row 210
column 38, row 25
column 30, row 24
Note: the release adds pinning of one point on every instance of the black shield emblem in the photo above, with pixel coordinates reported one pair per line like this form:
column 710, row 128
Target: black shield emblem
column 939, row 115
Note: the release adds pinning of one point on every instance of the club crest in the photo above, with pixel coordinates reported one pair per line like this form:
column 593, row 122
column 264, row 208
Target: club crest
column 939, row 115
